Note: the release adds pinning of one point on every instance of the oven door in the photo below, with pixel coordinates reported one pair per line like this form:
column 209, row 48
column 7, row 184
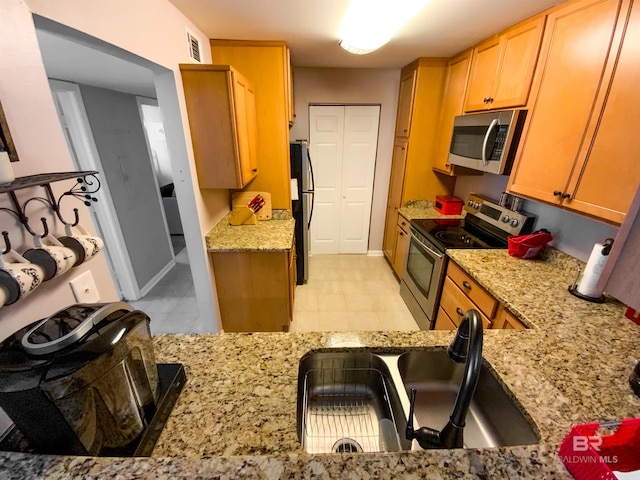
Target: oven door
column 423, row 278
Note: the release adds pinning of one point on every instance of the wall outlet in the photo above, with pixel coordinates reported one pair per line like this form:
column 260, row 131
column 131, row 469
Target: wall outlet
column 84, row 288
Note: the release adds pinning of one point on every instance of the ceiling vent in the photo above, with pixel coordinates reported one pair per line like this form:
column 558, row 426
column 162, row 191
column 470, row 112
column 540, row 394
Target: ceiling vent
column 193, row 43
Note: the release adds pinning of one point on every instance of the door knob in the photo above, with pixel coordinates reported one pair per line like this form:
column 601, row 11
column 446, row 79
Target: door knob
column 557, row 193
column 566, row 195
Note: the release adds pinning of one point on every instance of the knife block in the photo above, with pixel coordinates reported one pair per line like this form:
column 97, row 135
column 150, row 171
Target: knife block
column 244, row 216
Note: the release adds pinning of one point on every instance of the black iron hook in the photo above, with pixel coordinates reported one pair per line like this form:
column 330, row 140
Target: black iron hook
column 77, row 217
column 46, row 227
column 7, row 242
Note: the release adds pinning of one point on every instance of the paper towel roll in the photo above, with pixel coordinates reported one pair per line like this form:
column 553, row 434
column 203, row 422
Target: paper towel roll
column 591, row 275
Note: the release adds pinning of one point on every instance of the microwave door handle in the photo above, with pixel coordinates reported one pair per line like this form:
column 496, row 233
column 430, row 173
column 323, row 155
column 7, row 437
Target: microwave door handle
column 494, row 123
column 435, row 254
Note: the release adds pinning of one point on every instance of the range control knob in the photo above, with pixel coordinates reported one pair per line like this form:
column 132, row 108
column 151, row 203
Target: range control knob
column 506, row 219
column 476, row 205
column 470, row 203
column 515, row 222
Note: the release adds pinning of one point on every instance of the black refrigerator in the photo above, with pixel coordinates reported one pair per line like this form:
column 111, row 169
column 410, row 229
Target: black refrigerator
column 301, row 204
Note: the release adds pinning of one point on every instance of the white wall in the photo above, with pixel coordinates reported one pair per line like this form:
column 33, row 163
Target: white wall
column 354, row 86
column 573, row 234
column 30, row 112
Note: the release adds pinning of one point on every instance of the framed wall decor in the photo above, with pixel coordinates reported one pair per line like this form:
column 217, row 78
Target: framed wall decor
column 6, row 142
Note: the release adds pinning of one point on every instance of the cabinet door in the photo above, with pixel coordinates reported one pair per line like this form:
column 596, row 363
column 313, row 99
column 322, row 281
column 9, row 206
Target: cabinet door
column 606, row 183
column 443, row 322
column 573, row 57
column 395, row 197
column 405, row 104
column 245, row 119
column 402, row 247
column 288, row 78
column 484, row 67
column 518, row 57
column 504, row 319
column 451, row 106
column 292, row 280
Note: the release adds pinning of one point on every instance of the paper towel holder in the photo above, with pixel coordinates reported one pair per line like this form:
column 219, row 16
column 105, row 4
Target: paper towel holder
column 573, row 289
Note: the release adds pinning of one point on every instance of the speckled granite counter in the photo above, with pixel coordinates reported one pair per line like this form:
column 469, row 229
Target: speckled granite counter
column 237, row 414
column 269, row 235
column 423, row 209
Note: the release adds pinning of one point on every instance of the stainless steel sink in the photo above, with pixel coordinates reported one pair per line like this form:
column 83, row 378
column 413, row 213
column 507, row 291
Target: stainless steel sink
column 347, row 402
column 494, row 418
column 357, row 401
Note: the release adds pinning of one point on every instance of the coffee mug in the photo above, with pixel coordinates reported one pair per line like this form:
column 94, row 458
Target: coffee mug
column 18, row 276
column 51, row 255
column 85, row 245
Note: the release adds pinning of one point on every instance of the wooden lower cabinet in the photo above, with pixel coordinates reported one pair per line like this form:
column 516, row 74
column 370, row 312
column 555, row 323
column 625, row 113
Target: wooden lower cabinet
column 401, row 246
column 255, row 289
column 461, row 293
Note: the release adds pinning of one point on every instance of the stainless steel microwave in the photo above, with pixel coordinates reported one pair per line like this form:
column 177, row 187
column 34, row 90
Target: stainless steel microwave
column 486, row 141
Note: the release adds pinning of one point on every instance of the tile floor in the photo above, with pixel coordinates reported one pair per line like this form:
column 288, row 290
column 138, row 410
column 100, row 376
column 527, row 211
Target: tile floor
column 350, row 293
column 172, row 304
column 343, row 293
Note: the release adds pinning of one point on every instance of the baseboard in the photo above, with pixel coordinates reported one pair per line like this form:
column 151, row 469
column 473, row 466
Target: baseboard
column 153, row 282
column 375, row 253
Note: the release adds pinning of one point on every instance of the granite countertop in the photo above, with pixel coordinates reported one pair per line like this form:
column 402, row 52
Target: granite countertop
column 266, row 236
column 423, row 209
column 236, row 416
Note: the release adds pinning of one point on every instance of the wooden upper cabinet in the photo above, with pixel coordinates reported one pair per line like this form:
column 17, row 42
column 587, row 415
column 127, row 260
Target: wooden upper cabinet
column 452, row 100
column 483, row 72
column 405, row 104
column 288, row 76
column 221, row 109
column 266, row 65
column 576, row 150
column 599, row 187
column 502, row 68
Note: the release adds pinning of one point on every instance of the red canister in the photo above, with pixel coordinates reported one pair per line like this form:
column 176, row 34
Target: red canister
column 448, row 205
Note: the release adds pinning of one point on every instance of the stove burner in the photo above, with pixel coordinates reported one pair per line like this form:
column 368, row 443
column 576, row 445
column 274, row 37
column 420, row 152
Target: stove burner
column 457, row 238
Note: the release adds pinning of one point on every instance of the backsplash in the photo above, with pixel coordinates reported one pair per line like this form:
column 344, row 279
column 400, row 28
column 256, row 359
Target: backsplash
column 573, row 234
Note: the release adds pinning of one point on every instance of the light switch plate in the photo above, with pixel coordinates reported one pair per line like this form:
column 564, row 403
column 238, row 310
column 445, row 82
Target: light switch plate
column 84, row 288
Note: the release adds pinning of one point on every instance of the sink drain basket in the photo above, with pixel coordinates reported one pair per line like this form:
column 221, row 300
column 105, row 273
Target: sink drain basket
column 347, row 410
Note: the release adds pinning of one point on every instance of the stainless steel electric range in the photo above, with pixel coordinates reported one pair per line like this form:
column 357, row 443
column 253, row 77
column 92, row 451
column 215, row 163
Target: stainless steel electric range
column 486, row 225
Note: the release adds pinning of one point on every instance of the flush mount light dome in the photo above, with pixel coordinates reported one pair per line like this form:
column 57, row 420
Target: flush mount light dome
column 369, row 24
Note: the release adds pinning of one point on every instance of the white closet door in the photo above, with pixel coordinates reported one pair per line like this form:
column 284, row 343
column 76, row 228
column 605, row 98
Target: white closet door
column 343, row 146
column 358, row 167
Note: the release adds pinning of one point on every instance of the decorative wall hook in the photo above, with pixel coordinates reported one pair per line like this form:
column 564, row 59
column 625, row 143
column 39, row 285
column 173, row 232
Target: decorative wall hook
column 46, row 227
column 7, row 242
column 87, row 184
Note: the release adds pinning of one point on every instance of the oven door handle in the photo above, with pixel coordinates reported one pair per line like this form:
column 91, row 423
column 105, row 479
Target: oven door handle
column 494, row 122
column 435, row 254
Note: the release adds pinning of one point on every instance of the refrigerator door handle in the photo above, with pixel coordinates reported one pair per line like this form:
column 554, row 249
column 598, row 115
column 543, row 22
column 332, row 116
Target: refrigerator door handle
column 313, row 196
column 313, row 182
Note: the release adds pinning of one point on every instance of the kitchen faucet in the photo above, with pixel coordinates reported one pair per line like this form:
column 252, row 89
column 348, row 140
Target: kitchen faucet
column 465, row 347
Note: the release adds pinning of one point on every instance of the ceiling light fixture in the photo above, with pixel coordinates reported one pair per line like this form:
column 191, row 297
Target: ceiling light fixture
column 369, row 24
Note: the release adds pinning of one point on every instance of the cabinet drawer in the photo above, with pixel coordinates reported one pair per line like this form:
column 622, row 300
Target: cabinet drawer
column 472, row 289
column 443, row 322
column 455, row 303
column 403, row 223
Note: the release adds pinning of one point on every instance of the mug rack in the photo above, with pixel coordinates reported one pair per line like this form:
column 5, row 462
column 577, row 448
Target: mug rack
column 87, row 184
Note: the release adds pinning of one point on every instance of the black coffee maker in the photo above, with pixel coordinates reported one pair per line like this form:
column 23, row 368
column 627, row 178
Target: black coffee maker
column 80, row 382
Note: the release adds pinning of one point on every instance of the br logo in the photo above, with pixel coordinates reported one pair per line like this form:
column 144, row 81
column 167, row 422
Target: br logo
column 581, row 443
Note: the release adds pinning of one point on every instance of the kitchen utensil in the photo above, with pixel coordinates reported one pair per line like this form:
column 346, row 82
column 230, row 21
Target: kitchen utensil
column 51, row 255
column 589, row 454
column 242, row 199
column 448, row 205
column 528, row 246
column 18, row 276
column 85, row 245
column 243, row 216
column 587, row 287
